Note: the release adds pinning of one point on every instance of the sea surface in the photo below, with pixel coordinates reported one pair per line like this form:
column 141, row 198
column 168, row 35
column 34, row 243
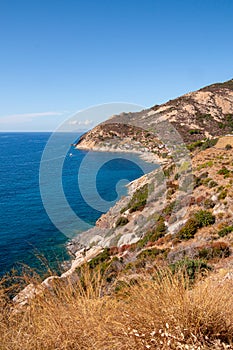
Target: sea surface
column 28, row 236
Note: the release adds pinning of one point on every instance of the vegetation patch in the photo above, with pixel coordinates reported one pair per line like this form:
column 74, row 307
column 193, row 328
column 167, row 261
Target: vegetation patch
column 225, row 231
column 102, row 257
column 208, row 164
column 150, row 253
column 228, row 147
column 139, row 199
column 121, row 221
column 225, row 172
column 192, row 146
column 208, row 143
column 200, row 219
column 222, row 194
column 214, row 250
column 204, row 218
column 194, row 131
column 154, row 234
column 190, row 267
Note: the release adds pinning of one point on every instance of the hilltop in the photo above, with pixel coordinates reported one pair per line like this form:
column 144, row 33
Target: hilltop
column 205, row 113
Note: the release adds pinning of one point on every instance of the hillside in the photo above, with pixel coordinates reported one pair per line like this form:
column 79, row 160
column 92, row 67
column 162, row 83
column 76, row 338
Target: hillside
column 170, row 287
column 156, row 271
column 205, row 113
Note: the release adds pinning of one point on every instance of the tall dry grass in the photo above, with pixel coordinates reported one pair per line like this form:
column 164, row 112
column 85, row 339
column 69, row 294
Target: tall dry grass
column 158, row 313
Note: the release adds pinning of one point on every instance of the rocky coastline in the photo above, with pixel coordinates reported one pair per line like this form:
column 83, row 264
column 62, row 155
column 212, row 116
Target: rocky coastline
column 176, row 211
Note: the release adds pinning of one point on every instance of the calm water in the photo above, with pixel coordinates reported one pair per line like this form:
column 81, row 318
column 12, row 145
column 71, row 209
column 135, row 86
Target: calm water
column 26, row 232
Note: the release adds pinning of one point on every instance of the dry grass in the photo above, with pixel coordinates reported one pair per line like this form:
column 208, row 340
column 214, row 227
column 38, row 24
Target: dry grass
column 156, row 313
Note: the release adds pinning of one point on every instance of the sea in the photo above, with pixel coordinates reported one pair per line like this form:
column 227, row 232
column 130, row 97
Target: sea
column 31, row 236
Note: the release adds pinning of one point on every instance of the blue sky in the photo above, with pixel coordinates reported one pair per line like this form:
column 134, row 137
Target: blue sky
column 61, row 56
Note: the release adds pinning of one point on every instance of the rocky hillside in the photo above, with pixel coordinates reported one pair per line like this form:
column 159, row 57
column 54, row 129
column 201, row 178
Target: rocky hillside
column 198, row 225
column 179, row 214
column 156, row 271
column 205, row 113
column 159, row 224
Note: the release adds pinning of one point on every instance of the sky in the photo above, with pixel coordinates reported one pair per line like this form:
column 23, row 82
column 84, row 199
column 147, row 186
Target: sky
column 58, row 57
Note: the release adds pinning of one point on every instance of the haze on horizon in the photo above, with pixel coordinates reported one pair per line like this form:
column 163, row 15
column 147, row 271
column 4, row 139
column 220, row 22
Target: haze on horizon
column 58, row 57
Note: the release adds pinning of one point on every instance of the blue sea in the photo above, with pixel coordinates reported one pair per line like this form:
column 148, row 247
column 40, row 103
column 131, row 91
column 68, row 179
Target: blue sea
column 29, row 236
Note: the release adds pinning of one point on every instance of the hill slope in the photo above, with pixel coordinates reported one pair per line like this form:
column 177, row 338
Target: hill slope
column 207, row 112
column 163, row 255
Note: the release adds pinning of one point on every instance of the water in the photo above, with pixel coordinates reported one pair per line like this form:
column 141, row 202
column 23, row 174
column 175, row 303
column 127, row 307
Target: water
column 27, row 235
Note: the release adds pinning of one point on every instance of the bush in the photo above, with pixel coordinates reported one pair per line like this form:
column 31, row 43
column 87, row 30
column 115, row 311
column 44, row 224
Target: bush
column 139, row 199
column 153, row 235
column 150, row 253
column 228, row 147
column 190, row 267
column 102, row 257
column 200, row 219
column 204, row 218
column 121, row 221
column 225, row 231
column 208, row 204
column 209, row 143
column 212, row 184
column 192, row 146
column 224, row 171
column 222, row 194
column 188, row 230
column 215, row 250
column 194, row 131
column 202, row 144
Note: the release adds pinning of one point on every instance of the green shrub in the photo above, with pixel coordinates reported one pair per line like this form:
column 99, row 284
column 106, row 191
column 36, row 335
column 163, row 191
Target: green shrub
column 202, row 144
column 209, row 143
column 169, row 208
column 225, row 231
column 190, row 267
column 215, row 250
column 228, row 147
column 139, row 199
column 197, row 181
column 222, row 194
column 192, row 146
column 224, row 171
column 208, row 204
column 204, row 218
column 200, row 219
column 121, row 221
column 188, row 230
column 205, row 165
column 102, row 257
column 194, row 131
column 159, row 231
column 153, row 235
column 212, row 184
column 150, row 253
